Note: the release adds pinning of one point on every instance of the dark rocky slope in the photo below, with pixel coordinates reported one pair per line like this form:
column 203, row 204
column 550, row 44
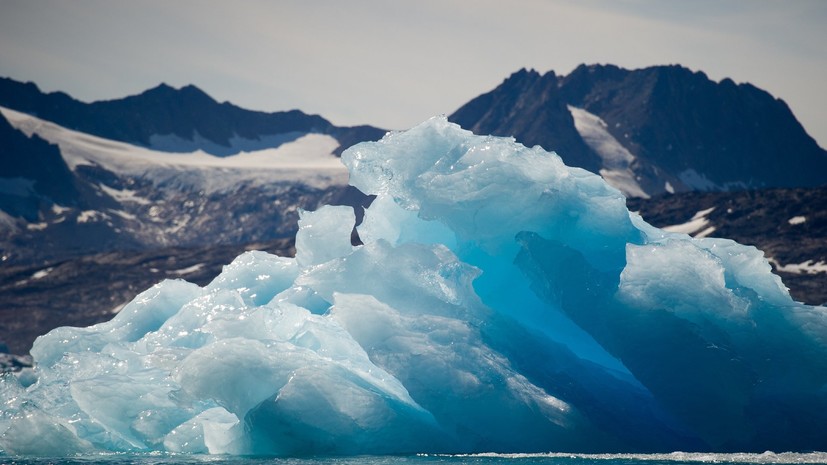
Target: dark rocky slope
column 682, row 128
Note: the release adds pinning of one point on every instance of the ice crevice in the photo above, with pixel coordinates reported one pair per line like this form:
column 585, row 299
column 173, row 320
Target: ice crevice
column 501, row 302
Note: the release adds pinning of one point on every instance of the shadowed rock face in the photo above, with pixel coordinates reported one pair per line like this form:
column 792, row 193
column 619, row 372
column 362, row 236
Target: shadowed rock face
column 682, row 128
column 33, row 173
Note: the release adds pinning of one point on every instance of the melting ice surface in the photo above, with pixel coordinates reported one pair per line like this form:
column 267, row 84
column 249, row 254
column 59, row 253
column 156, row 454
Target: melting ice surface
column 501, row 302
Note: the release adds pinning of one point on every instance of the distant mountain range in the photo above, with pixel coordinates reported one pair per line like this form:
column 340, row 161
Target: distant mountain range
column 656, row 130
column 171, row 183
column 72, row 193
column 177, row 120
column 122, row 174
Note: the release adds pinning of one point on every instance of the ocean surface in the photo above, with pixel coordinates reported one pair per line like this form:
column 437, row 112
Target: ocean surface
column 675, row 458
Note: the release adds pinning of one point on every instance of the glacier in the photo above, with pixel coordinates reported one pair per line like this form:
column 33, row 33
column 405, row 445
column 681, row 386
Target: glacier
column 497, row 301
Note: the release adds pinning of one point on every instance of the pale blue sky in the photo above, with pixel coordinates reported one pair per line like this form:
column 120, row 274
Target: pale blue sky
column 394, row 64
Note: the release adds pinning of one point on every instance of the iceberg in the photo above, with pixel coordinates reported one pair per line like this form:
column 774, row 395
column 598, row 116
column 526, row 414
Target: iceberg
column 497, row 301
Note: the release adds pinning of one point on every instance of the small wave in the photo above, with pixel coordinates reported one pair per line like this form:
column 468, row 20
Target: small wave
column 703, row 457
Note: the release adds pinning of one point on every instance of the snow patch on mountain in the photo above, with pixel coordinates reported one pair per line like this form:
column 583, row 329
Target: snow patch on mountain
column 88, row 216
column 59, row 209
column 37, row 226
column 42, row 273
column 807, row 267
column 188, row 270
column 697, row 226
column 125, row 215
column 308, row 159
column 124, row 195
column 617, row 160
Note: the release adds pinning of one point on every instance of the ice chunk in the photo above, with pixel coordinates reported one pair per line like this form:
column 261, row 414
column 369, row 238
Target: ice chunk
column 146, row 313
column 501, row 301
column 213, row 431
column 257, row 276
column 388, row 221
column 324, row 235
column 472, row 390
column 656, row 275
column 487, row 189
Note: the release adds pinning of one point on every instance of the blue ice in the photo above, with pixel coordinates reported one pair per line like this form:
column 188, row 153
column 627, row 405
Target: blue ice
column 501, row 301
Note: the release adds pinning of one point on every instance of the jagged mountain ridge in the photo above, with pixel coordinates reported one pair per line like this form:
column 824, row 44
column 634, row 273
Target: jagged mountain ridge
column 177, row 120
column 683, row 131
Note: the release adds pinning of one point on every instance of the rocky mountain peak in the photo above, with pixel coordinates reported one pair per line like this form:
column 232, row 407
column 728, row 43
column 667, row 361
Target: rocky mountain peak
column 679, row 130
column 529, row 107
column 186, row 94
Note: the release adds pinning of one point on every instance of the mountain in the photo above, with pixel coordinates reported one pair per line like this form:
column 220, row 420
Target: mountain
column 100, row 200
column 177, row 120
column 128, row 174
column 73, row 193
column 655, row 130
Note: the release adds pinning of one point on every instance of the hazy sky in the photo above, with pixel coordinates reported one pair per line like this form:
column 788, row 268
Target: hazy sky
column 393, row 64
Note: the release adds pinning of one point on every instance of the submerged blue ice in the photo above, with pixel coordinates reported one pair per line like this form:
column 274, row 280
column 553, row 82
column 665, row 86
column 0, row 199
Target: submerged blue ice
column 501, row 302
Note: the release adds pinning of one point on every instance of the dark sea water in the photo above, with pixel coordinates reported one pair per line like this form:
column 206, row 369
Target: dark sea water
column 676, row 458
